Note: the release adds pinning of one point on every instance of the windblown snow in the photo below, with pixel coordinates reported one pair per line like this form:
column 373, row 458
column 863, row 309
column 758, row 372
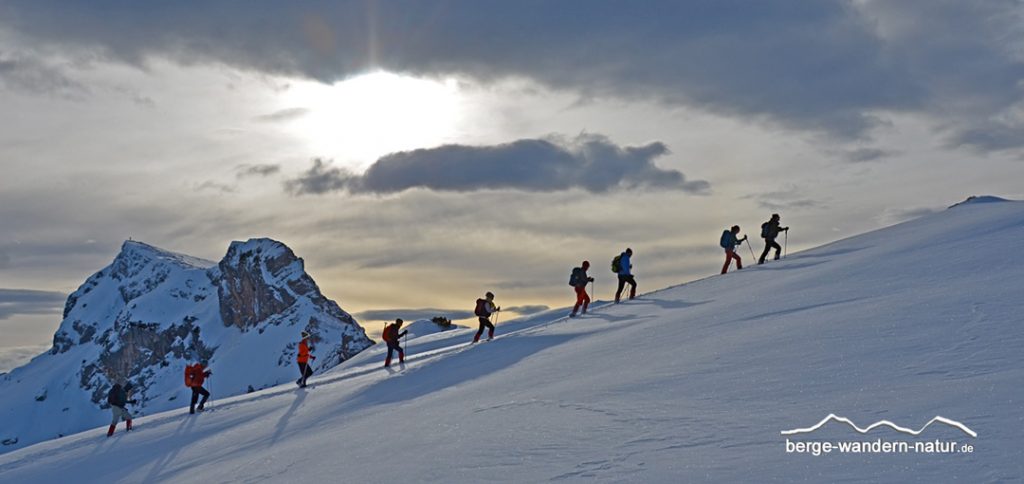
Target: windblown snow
column 690, row 383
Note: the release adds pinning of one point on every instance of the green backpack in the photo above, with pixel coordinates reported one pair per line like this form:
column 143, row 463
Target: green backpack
column 617, row 264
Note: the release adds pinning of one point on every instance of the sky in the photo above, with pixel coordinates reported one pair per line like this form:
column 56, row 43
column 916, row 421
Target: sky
column 417, row 154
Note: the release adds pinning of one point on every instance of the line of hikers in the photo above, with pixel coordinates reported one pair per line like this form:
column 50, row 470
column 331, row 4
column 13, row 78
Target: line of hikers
column 622, row 266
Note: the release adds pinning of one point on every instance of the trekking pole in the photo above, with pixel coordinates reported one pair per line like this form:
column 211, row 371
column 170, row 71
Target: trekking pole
column 752, row 258
column 785, row 244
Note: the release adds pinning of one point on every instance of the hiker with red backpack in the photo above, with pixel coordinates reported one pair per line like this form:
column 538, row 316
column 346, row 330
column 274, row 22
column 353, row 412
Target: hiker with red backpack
column 303, row 359
column 579, row 280
column 623, row 266
column 195, row 376
column 118, row 399
column 729, row 242
column 484, row 308
column 769, row 232
column 392, row 337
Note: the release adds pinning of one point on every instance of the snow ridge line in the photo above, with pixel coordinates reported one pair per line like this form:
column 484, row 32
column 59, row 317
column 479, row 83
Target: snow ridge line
column 832, row 416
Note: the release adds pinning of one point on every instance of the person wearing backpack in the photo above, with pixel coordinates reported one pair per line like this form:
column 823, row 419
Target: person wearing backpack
column 305, row 371
column 729, row 242
column 623, row 266
column 769, row 232
column 195, row 376
column 484, row 308
column 579, row 280
column 392, row 337
column 117, row 397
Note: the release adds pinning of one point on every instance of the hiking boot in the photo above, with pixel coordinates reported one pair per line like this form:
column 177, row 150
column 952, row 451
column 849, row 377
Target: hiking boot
column 110, row 431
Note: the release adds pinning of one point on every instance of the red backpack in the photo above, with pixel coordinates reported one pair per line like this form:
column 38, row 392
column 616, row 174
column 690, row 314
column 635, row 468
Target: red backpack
column 386, row 335
column 190, row 376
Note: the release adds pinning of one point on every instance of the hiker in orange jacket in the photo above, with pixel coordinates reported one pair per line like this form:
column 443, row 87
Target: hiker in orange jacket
column 303, row 359
column 391, row 336
column 195, row 376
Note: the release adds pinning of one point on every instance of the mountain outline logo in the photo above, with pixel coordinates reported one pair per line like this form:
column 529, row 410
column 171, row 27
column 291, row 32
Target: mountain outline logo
column 882, row 423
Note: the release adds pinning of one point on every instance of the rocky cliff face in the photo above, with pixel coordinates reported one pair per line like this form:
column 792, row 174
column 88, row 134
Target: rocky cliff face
column 151, row 312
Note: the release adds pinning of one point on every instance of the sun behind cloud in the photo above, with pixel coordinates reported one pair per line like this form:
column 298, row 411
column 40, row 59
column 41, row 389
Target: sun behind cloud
column 363, row 118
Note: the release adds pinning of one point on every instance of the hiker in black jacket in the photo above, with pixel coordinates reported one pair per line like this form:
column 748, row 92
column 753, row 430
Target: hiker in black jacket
column 118, row 398
column 769, row 232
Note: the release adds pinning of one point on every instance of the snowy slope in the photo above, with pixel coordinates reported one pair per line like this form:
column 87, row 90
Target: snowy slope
column 693, row 383
column 151, row 312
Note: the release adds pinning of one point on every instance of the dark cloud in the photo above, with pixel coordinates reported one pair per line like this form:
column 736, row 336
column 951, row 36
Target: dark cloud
column 411, row 314
column 243, row 171
column 818, row 65
column 785, row 199
column 26, row 301
column 589, row 162
column 862, row 155
column 283, row 115
column 993, row 137
column 32, row 75
column 528, row 309
column 215, row 186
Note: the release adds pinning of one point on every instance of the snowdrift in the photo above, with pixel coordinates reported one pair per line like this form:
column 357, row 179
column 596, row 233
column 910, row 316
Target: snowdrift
column 692, row 383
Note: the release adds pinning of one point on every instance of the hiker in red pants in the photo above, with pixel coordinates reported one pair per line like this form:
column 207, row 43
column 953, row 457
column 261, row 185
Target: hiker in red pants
column 579, row 280
column 729, row 242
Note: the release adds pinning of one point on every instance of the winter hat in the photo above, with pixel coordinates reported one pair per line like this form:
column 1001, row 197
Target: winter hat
column 490, row 295
column 127, row 386
column 305, row 334
column 399, row 321
column 586, row 264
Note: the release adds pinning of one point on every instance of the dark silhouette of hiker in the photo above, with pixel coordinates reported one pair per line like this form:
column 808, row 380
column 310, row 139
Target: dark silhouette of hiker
column 484, row 308
column 392, row 337
column 769, row 232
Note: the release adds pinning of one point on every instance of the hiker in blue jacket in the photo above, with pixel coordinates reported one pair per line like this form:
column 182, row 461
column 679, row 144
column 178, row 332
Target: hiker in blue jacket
column 729, row 242
column 626, row 274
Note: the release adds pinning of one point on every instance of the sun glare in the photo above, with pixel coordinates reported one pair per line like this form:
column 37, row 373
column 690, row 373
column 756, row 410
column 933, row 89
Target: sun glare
column 361, row 119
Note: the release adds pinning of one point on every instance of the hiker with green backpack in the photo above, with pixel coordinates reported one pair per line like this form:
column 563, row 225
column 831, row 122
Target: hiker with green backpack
column 622, row 266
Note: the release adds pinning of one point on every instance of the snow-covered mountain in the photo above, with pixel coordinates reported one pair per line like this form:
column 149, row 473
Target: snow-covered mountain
column 694, row 383
column 150, row 312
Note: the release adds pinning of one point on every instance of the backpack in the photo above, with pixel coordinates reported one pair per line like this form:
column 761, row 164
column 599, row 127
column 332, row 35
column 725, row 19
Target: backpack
column 481, row 308
column 112, row 394
column 726, row 241
column 386, row 335
column 189, row 376
column 574, row 278
column 617, row 264
column 764, row 230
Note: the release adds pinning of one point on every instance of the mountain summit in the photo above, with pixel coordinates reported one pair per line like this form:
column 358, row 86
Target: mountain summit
column 150, row 312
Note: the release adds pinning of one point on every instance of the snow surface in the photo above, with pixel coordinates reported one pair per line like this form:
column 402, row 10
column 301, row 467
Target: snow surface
column 691, row 383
